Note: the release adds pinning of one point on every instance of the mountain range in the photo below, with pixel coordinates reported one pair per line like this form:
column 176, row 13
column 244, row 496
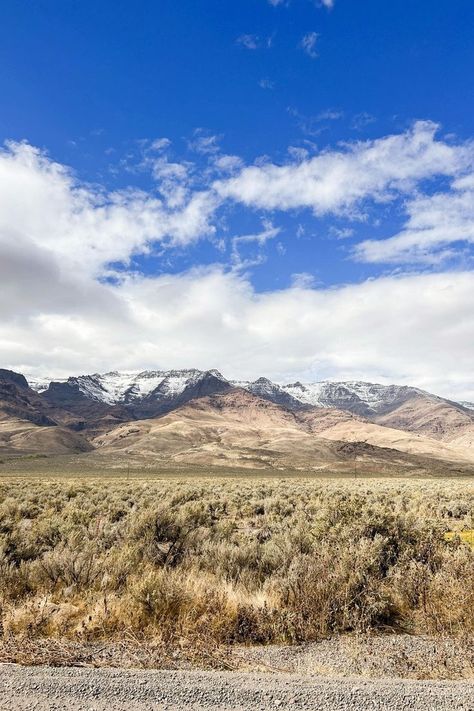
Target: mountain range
column 201, row 418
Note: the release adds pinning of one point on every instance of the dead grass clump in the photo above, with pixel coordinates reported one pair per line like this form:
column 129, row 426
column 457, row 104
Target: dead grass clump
column 341, row 587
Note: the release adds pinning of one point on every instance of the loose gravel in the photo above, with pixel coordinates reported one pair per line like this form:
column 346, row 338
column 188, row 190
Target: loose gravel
column 52, row 689
column 372, row 656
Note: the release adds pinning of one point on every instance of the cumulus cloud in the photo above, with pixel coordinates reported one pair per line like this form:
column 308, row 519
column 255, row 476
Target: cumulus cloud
column 86, row 227
column 434, row 223
column 338, row 180
column 226, row 163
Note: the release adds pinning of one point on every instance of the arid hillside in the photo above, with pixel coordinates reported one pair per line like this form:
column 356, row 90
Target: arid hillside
column 237, row 428
column 22, row 436
column 432, row 417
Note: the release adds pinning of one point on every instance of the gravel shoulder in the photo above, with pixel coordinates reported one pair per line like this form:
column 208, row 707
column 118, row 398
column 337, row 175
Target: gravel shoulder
column 53, row 689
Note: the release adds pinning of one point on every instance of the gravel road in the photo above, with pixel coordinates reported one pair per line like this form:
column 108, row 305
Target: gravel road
column 49, row 689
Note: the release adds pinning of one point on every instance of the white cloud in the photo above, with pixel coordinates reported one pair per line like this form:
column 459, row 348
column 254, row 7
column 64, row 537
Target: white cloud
column 174, row 179
column 434, row 223
column 260, row 239
column 160, row 144
column 204, row 143
column 360, row 121
column 308, row 44
column 227, row 163
column 341, row 232
column 303, row 280
column 85, row 227
column 329, row 4
column 248, row 41
column 406, row 330
column 254, row 41
column 339, row 181
column 329, row 115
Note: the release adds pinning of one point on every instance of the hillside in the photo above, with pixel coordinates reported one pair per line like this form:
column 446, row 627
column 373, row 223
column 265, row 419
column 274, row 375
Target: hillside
column 231, row 428
column 30, row 425
column 433, row 417
column 237, row 428
column 23, row 437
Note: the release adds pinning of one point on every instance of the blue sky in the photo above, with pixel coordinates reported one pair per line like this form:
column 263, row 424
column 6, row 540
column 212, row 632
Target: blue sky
column 295, row 152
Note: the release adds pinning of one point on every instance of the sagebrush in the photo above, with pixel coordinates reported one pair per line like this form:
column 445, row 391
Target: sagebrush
column 233, row 561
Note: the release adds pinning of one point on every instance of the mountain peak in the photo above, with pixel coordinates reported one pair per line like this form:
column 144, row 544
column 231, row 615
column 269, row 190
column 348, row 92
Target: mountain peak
column 10, row 376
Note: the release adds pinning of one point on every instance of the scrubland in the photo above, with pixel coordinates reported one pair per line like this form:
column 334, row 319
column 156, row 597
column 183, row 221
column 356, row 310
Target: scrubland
column 194, row 566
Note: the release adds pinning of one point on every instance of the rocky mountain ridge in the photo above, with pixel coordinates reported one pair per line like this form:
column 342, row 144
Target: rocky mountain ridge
column 133, row 395
column 174, row 386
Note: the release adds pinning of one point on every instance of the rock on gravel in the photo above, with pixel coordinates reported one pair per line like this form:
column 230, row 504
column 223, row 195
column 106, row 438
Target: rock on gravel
column 49, row 689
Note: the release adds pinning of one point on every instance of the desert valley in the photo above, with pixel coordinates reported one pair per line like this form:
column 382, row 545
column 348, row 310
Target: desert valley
column 236, row 348
column 177, row 520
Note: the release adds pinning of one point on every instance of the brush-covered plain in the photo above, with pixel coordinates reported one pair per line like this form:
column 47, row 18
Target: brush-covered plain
column 194, row 566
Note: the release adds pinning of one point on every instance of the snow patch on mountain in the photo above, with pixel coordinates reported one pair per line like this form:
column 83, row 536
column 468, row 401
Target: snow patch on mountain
column 40, row 384
column 261, row 387
column 122, row 388
column 307, row 393
column 326, row 393
column 355, row 396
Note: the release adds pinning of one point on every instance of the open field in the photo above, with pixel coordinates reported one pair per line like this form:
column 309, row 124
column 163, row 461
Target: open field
column 119, row 466
column 191, row 569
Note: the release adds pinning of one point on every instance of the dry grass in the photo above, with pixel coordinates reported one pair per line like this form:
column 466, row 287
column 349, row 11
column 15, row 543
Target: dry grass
column 184, row 567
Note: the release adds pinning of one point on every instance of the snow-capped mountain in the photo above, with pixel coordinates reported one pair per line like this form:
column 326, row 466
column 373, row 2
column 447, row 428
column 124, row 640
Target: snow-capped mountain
column 151, row 392
column 122, row 388
column 144, row 394
column 361, row 398
column 270, row 391
column 236, row 421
